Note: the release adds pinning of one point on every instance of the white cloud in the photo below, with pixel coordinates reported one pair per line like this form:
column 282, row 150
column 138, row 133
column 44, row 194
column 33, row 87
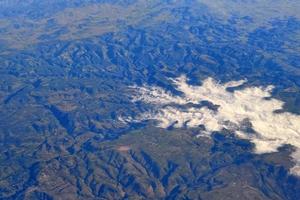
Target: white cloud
column 272, row 129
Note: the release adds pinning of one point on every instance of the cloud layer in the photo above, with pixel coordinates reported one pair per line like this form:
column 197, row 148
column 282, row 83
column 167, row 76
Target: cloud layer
column 248, row 112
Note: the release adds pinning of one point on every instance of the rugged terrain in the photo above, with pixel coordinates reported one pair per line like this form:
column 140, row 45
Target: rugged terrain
column 65, row 72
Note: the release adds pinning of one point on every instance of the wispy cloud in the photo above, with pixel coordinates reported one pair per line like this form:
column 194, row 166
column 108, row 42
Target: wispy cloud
column 252, row 104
